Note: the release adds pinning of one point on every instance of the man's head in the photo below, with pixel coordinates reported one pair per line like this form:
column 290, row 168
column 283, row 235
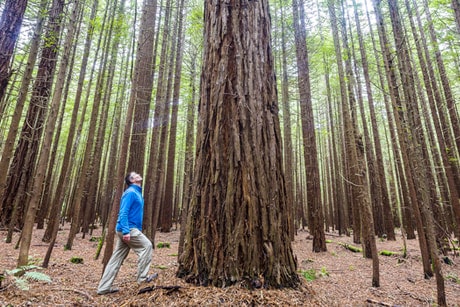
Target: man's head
column 133, row 178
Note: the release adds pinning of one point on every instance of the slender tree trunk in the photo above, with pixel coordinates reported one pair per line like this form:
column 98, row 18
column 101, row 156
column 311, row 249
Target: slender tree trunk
column 287, row 131
column 445, row 157
column 165, row 214
column 42, row 163
column 315, row 213
column 189, row 142
column 456, row 8
column 10, row 24
column 70, row 152
column 155, row 170
column 349, row 148
column 450, row 101
column 379, row 161
column 89, row 154
column 367, row 227
column 10, row 142
column 142, row 86
column 23, row 165
column 169, row 184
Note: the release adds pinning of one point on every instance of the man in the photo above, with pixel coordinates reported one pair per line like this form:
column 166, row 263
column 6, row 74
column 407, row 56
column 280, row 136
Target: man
column 129, row 231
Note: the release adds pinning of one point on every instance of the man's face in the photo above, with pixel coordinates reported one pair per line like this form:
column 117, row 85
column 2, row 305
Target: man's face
column 135, row 178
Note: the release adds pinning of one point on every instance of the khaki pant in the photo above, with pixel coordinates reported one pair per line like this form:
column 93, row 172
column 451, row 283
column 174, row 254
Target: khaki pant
column 141, row 246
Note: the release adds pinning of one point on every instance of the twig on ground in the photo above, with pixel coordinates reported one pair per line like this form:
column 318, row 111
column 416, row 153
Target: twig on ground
column 169, row 288
column 378, row 303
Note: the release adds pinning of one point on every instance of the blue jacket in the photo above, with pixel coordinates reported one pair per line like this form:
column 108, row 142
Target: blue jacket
column 131, row 209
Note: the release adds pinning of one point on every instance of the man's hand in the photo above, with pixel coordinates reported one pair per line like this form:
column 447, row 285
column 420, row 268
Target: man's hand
column 126, row 237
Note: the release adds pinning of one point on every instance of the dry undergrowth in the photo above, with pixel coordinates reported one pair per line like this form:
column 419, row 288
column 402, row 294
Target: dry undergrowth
column 343, row 278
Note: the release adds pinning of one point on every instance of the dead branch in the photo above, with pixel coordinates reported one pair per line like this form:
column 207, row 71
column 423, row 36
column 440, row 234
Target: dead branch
column 169, row 288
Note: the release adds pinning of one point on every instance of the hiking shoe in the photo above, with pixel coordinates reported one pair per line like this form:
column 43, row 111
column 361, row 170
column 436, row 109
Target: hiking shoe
column 151, row 277
column 111, row 290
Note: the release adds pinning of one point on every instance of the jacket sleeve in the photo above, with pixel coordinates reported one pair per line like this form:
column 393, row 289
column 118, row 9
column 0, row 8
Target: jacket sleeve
column 125, row 206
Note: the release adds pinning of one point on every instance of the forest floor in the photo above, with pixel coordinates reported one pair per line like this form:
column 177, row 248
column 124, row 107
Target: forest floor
column 343, row 278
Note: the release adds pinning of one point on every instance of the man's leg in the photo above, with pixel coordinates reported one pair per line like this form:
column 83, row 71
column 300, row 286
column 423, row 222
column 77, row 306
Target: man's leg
column 143, row 248
column 112, row 268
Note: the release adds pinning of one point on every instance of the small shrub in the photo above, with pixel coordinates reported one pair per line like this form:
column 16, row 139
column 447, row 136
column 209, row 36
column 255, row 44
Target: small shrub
column 324, row 272
column 163, row 245
column 387, row 253
column 77, row 260
column 95, row 239
column 161, row 267
column 309, row 275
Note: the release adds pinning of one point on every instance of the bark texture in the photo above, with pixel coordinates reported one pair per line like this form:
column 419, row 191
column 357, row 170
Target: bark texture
column 237, row 227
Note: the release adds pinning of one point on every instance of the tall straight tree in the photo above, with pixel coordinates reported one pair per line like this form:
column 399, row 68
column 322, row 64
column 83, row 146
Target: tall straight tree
column 287, row 140
column 142, row 86
column 380, row 179
column 10, row 24
column 418, row 148
column 348, row 134
column 169, row 182
column 97, row 119
column 22, row 166
column 237, row 227
column 9, row 143
column 456, row 7
column 40, row 172
column 315, row 211
column 69, row 152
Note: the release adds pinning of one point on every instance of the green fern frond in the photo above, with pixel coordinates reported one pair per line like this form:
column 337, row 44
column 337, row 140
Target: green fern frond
column 22, row 284
column 23, row 269
column 37, row 276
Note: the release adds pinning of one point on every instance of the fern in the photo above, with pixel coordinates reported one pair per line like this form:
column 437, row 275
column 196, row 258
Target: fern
column 21, row 284
column 22, row 275
column 22, row 269
column 37, row 276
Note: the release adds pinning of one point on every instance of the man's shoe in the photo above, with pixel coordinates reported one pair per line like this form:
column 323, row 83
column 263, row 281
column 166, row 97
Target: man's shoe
column 111, row 290
column 151, row 277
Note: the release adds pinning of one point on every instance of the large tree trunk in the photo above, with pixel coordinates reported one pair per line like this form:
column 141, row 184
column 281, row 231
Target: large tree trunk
column 237, row 227
column 10, row 24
